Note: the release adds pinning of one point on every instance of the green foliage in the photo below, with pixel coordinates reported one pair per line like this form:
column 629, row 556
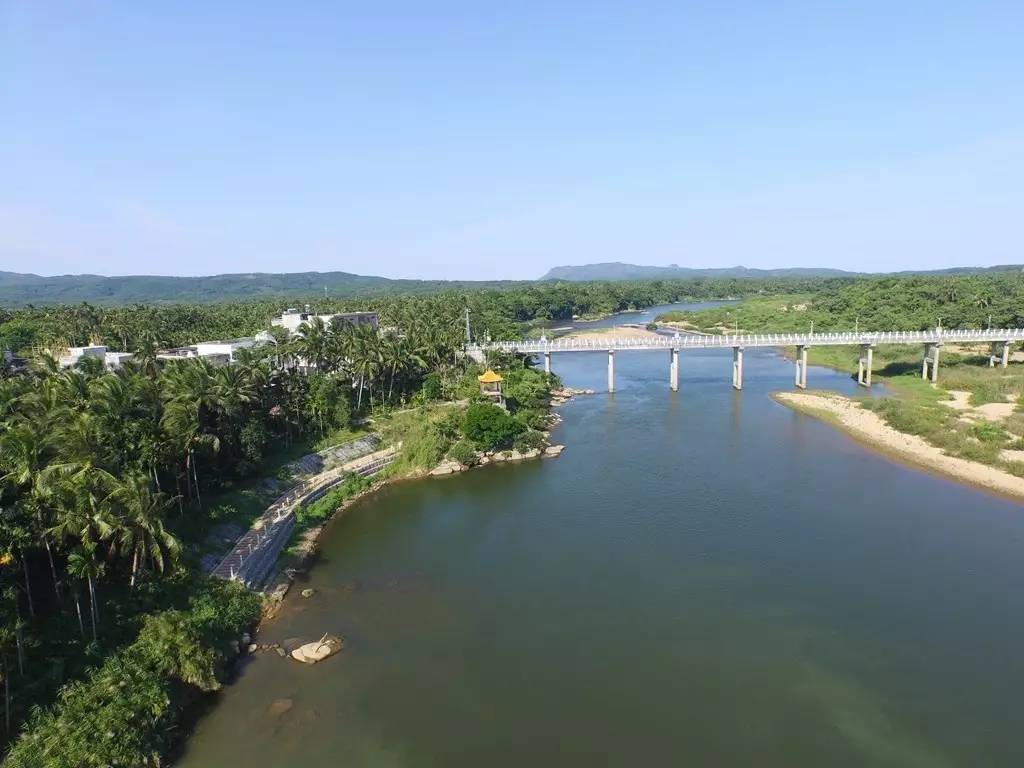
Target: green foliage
column 124, row 712
column 526, row 388
column 530, row 440
column 489, row 426
column 322, row 509
column 431, row 388
column 465, row 453
column 423, row 443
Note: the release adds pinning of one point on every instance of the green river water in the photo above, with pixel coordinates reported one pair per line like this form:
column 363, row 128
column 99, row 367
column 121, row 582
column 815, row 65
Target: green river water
column 703, row 578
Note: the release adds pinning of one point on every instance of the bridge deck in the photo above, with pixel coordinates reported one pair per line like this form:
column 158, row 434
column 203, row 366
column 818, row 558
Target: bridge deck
column 699, row 341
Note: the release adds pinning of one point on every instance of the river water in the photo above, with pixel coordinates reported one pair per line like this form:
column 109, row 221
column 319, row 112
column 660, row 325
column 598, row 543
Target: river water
column 703, row 578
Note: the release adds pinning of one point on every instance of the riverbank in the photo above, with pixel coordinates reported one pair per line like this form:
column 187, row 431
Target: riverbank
column 869, row 429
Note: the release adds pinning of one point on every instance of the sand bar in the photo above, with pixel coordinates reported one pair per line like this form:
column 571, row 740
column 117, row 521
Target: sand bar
column 869, row 429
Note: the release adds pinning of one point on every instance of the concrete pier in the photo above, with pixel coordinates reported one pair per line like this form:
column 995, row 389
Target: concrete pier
column 611, row 370
column 801, row 366
column 930, row 366
column 547, row 362
column 867, row 353
column 737, row 367
column 673, row 370
column 1000, row 354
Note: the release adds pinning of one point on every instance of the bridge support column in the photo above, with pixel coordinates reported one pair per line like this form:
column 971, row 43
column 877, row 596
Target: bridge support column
column 611, row 370
column 930, row 366
column 547, row 362
column 867, row 353
column 737, row 367
column 673, row 370
column 801, row 366
column 1000, row 354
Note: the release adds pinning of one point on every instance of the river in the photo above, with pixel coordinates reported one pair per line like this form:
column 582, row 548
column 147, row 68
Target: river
column 703, row 578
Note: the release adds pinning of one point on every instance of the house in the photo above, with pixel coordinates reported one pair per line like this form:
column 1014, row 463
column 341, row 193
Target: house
column 75, row 354
column 292, row 318
column 114, row 360
column 217, row 352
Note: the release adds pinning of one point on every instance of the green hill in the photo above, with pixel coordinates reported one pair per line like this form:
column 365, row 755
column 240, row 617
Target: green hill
column 18, row 289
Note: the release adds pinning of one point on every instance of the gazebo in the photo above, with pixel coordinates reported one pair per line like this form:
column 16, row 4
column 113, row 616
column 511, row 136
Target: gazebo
column 490, row 385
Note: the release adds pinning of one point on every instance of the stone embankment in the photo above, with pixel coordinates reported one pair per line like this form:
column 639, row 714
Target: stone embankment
column 255, row 553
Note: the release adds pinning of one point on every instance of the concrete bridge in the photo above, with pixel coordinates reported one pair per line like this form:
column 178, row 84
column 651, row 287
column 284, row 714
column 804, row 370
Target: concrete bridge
column 932, row 341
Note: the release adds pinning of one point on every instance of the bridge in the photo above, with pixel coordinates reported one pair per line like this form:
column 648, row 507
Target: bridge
column 932, row 341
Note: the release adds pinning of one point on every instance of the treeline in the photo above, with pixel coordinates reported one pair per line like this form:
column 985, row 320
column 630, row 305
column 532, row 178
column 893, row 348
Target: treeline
column 501, row 314
column 878, row 304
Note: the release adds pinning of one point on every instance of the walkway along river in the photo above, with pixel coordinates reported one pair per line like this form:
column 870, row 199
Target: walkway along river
column 702, row 578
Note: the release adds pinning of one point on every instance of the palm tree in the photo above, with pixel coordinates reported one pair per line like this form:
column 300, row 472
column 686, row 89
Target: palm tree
column 142, row 530
column 83, row 565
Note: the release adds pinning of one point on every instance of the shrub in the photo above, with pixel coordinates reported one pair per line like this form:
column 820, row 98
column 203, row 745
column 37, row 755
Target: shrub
column 489, row 426
column 431, row 388
column 464, row 453
column 423, row 445
column 531, row 440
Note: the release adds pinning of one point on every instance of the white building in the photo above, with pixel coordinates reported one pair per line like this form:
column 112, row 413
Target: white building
column 291, row 319
column 110, row 360
column 77, row 353
column 217, row 352
column 116, row 359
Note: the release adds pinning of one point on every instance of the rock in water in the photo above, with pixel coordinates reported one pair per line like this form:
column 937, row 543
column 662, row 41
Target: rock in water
column 308, row 592
column 318, row 650
column 279, row 706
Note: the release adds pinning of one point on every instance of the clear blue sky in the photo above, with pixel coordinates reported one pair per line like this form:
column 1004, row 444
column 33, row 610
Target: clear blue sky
column 492, row 140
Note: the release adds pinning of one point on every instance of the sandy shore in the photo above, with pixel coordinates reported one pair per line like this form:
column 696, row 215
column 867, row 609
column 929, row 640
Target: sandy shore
column 869, row 429
column 616, row 332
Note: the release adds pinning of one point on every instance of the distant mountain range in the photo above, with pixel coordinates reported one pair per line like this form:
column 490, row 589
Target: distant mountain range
column 617, row 270
column 20, row 289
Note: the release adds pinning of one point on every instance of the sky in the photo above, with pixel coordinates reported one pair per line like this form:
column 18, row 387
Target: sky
column 496, row 140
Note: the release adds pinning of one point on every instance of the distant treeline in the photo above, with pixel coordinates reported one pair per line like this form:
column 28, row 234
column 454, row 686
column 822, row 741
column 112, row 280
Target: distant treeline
column 880, row 304
column 499, row 313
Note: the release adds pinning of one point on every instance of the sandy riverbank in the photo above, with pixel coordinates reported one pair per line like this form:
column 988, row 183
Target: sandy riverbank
column 869, row 429
column 615, row 332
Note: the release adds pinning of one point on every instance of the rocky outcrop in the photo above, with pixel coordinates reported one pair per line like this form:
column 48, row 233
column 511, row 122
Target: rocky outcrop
column 565, row 394
column 447, row 467
column 553, row 450
column 318, row 650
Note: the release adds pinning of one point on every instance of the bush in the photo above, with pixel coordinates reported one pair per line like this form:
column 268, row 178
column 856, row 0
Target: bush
column 252, row 439
column 489, row 426
column 465, row 453
column 431, row 388
column 423, row 445
column 531, row 440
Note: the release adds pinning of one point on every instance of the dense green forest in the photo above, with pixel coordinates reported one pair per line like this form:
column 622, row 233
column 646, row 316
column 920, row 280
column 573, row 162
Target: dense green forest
column 498, row 313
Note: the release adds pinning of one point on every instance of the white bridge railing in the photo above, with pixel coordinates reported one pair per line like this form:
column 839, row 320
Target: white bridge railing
column 701, row 341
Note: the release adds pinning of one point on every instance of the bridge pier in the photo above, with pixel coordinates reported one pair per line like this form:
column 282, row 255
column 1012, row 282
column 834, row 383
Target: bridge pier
column 801, row 366
column 930, row 366
column 547, row 362
column 867, row 353
column 673, row 370
column 737, row 367
column 1000, row 354
column 611, row 370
